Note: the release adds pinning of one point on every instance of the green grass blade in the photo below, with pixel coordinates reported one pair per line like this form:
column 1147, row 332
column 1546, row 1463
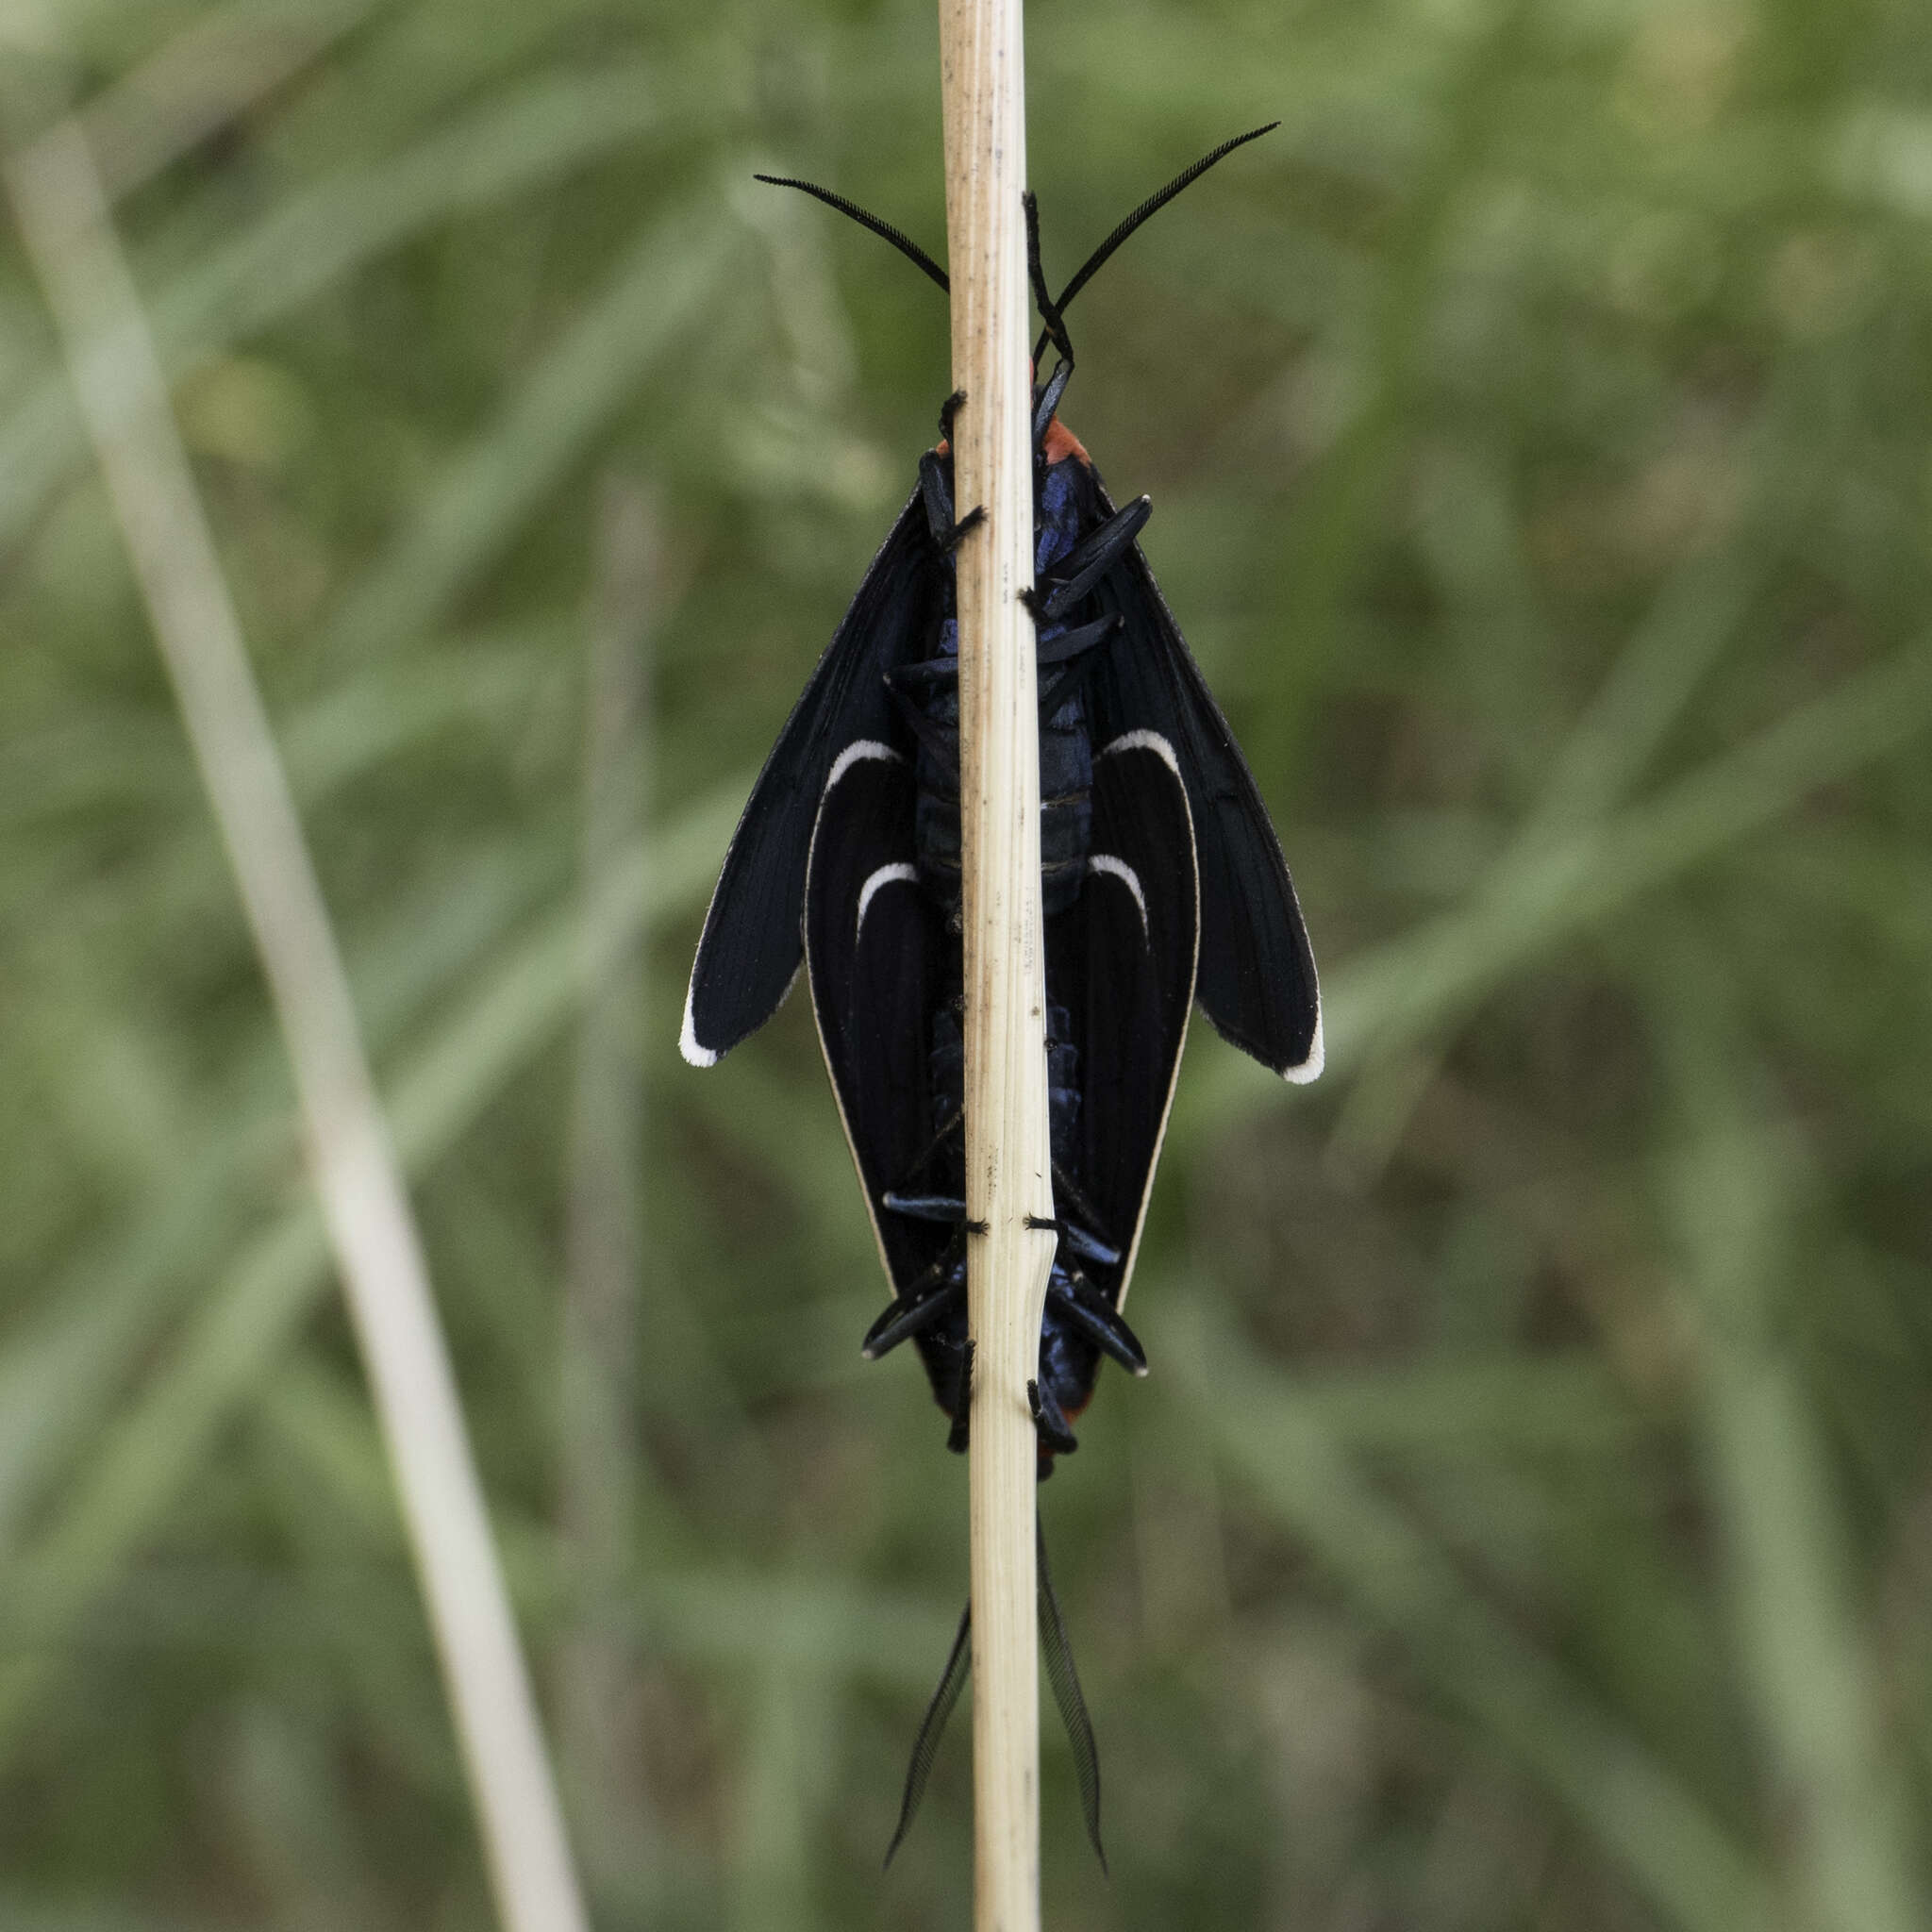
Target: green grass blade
column 663, row 285
column 1805, row 1656
column 260, row 1302
column 322, row 234
column 1657, row 1831
column 1536, row 899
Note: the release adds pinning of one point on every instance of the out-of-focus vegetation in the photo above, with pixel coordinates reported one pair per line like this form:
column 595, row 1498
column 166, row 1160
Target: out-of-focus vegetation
column 1528, row 1522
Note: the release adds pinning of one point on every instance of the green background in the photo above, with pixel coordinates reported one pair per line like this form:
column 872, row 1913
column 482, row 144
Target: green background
column 1528, row 1521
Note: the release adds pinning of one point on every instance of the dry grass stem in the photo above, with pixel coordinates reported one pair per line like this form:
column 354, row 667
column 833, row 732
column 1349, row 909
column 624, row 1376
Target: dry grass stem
column 1007, row 1170
column 63, row 216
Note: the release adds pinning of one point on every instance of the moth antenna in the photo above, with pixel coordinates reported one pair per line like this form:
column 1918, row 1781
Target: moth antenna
column 1151, row 207
column 885, row 231
column 1049, row 309
column 932, row 1727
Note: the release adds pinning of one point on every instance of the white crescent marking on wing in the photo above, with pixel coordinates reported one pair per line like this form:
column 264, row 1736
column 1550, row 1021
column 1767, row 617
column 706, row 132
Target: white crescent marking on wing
column 885, row 876
column 1145, row 741
column 688, row 1042
column 1119, row 869
column 1311, row 1069
column 858, row 748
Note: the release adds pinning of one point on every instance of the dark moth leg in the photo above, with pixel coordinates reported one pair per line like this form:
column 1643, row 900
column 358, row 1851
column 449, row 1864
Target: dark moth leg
column 1079, row 1241
column 1049, row 401
column 963, row 1401
column 908, row 1315
column 1082, row 1305
column 939, row 505
column 1088, row 560
column 1050, row 1420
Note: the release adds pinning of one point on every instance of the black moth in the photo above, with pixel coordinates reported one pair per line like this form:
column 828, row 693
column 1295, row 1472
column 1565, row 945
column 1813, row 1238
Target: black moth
column 1162, row 882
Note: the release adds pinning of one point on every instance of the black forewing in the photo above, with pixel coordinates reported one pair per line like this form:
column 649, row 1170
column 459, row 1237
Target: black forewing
column 750, row 949
column 875, row 984
column 1256, row 975
column 1120, row 961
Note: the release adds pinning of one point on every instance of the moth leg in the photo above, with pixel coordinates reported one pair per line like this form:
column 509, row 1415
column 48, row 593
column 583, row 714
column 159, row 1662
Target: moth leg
column 1088, row 1247
column 939, row 505
column 1103, row 1327
column 1048, row 401
column 938, row 495
column 932, row 740
column 1076, row 664
column 925, row 671
column 970, row 521
column 919, row 1303
column 1088, row 561
column 963, row 1401
column 932, row 1208
column 948, row 1127
column 905, row 1316
column 1050, row 1420
column 1064, row 1183
column 1073, row 643
column 925, row 1207
column 948, row 409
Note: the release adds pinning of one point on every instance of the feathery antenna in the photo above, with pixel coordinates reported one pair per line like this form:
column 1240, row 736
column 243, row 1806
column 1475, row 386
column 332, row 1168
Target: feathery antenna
column 885, row 231
column 1153, row 206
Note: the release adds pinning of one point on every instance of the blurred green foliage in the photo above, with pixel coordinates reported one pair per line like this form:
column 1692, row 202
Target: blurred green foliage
column 1529, row 1524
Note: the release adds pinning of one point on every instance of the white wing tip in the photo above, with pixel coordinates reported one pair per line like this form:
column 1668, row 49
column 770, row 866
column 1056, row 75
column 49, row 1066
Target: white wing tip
column 687, row 1040
column 1311, row 1069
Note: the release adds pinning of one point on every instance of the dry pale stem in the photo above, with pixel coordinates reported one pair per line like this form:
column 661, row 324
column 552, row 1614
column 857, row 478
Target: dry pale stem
column 62, row 209
column 1008, row 1177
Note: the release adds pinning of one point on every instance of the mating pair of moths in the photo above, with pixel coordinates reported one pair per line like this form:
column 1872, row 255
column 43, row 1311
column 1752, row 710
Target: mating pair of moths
column 1162, row 882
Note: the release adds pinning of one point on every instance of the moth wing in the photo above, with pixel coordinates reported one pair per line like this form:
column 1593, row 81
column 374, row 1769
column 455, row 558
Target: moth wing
column 875, row 961
column 1120, row 961
column 1256, row 977
column 749, row 953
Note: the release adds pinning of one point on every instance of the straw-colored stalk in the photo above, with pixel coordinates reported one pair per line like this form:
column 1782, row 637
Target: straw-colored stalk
column 1008, row 1175
column 62, row 209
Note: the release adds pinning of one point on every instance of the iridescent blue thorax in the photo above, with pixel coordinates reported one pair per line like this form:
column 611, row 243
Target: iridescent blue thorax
column 1057, row 528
